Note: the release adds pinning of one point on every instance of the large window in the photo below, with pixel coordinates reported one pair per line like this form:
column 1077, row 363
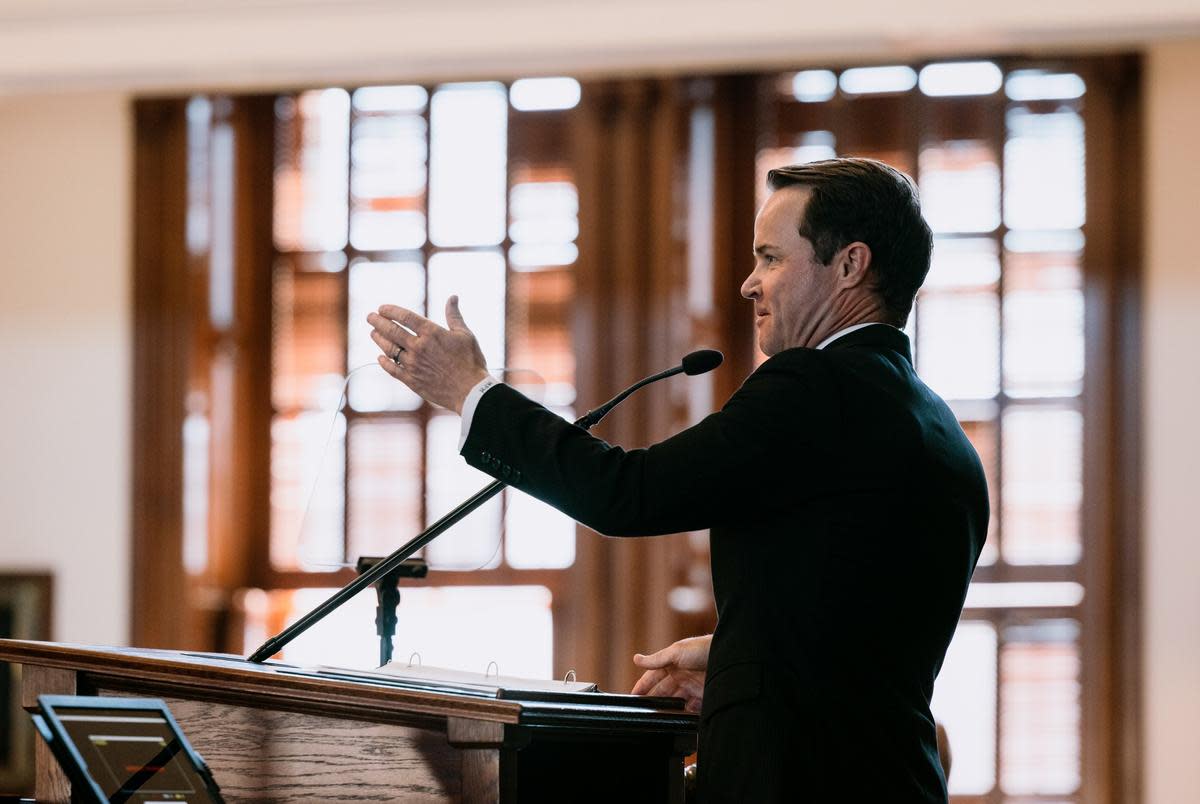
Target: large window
column 400, row 194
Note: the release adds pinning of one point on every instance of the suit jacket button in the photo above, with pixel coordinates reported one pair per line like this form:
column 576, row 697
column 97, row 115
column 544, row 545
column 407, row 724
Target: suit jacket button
column 516, row 476
column 485, row 456
column 506, row 472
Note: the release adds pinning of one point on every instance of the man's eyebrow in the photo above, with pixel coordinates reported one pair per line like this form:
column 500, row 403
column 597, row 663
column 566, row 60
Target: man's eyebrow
column 761, row 247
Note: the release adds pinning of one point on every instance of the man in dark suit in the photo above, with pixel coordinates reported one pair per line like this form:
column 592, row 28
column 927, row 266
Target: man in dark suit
column 847, row 509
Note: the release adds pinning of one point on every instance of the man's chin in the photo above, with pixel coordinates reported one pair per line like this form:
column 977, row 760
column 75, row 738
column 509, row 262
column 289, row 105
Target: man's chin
column 762, row 335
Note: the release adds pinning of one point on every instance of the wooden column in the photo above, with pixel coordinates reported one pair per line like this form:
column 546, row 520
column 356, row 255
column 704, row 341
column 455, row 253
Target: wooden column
column 629, row 322
column 160, row 361
column 1111, row 726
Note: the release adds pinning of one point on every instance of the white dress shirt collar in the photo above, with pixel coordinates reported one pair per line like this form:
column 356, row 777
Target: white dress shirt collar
column 847, row 331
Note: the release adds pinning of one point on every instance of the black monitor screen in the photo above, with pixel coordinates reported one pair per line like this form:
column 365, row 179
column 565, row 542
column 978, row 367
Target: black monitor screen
column 133, row 755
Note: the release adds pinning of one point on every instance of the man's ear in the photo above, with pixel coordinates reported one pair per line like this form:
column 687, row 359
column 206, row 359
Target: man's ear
column 854, row 264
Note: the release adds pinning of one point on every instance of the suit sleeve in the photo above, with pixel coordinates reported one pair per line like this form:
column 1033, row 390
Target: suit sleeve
column 764, row 446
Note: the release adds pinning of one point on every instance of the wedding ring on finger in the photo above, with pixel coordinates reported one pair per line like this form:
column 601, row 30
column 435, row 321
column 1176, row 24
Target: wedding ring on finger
column 396, row 354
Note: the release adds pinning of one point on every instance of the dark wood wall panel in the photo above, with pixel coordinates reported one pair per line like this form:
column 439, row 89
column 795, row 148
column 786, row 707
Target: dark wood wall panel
column 160, row 320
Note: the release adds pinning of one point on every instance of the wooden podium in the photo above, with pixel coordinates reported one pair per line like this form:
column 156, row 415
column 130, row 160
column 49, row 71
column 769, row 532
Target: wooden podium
column 279, row 733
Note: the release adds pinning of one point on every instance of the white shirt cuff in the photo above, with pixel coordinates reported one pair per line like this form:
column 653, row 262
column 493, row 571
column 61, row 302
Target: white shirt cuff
column 469, row 405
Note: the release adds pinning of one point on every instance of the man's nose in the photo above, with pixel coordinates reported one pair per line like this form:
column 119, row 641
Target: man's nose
column 749, row 287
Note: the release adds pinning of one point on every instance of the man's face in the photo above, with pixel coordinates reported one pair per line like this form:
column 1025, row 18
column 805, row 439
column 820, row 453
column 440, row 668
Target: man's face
column 791, row 291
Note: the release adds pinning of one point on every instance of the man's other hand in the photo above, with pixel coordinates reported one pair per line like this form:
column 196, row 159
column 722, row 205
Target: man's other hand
column 677, row 670
column 440, row 365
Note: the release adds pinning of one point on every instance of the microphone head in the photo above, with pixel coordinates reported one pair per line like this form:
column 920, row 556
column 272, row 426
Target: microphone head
column 701, row 361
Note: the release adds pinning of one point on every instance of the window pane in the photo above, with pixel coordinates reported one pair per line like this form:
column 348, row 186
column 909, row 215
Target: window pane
column 536, row 535
column 221, row 224
column 813, row 86
column 958, row 344
column 544, row 94
column 391, row 99
column 475, row 541
column 544, row 211
column 963, row 262
column 810, row 146
column 1039, row 713
column 385, row 486
column 539, row 326
column 1043, row 170
column 373, row 284
column 1043, row 324
column 308, row 458
column 960, row 187
column 1042, row 485
column 964, row 701
column 346, row 638
column 477, row 277
column 311, row 156
column 543, row 217
column 466, row 627
column 1028, row 85
column 1024, row 595
column 308, row 350
column 813, row 146
column 961, row 78
column 872, row 80
column 468, row 164
column 523, row 256
column 196, row 451
column 388, row 172
column 199, row 174
column 458, row 627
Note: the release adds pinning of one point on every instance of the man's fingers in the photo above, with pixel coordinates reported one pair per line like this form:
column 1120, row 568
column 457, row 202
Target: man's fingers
column 402, row 315
column 647, row 681
column 391, row 368
column 388, row 347
column 666, row 688
column 662, row 658
column 454, row 319
column 390, row 331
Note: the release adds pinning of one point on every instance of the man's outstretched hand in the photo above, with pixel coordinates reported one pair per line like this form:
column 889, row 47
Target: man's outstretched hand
column 677, row 670
column 440, row 364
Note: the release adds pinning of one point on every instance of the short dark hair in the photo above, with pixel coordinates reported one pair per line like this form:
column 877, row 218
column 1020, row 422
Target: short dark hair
column 853, row 199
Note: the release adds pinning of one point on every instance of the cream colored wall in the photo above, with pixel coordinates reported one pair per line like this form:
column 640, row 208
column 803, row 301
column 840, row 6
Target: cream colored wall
column 1171, row 402
column 65, row 176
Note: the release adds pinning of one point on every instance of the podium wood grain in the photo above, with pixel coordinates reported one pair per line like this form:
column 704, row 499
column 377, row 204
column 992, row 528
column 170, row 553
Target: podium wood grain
column 50, row 783
column 262, row 755
column 275, row 734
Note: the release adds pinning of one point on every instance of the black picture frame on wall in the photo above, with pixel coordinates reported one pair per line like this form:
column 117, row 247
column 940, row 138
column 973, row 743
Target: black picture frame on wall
column 25, row 603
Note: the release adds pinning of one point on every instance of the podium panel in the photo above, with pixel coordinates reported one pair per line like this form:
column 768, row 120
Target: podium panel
column 284, row 734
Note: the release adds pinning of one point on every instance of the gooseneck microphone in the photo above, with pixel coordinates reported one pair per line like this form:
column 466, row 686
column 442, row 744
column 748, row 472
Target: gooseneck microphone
column 698, row 362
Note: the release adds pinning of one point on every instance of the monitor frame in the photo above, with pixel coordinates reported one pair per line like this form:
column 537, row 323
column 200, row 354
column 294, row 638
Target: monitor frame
column 54, row 732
